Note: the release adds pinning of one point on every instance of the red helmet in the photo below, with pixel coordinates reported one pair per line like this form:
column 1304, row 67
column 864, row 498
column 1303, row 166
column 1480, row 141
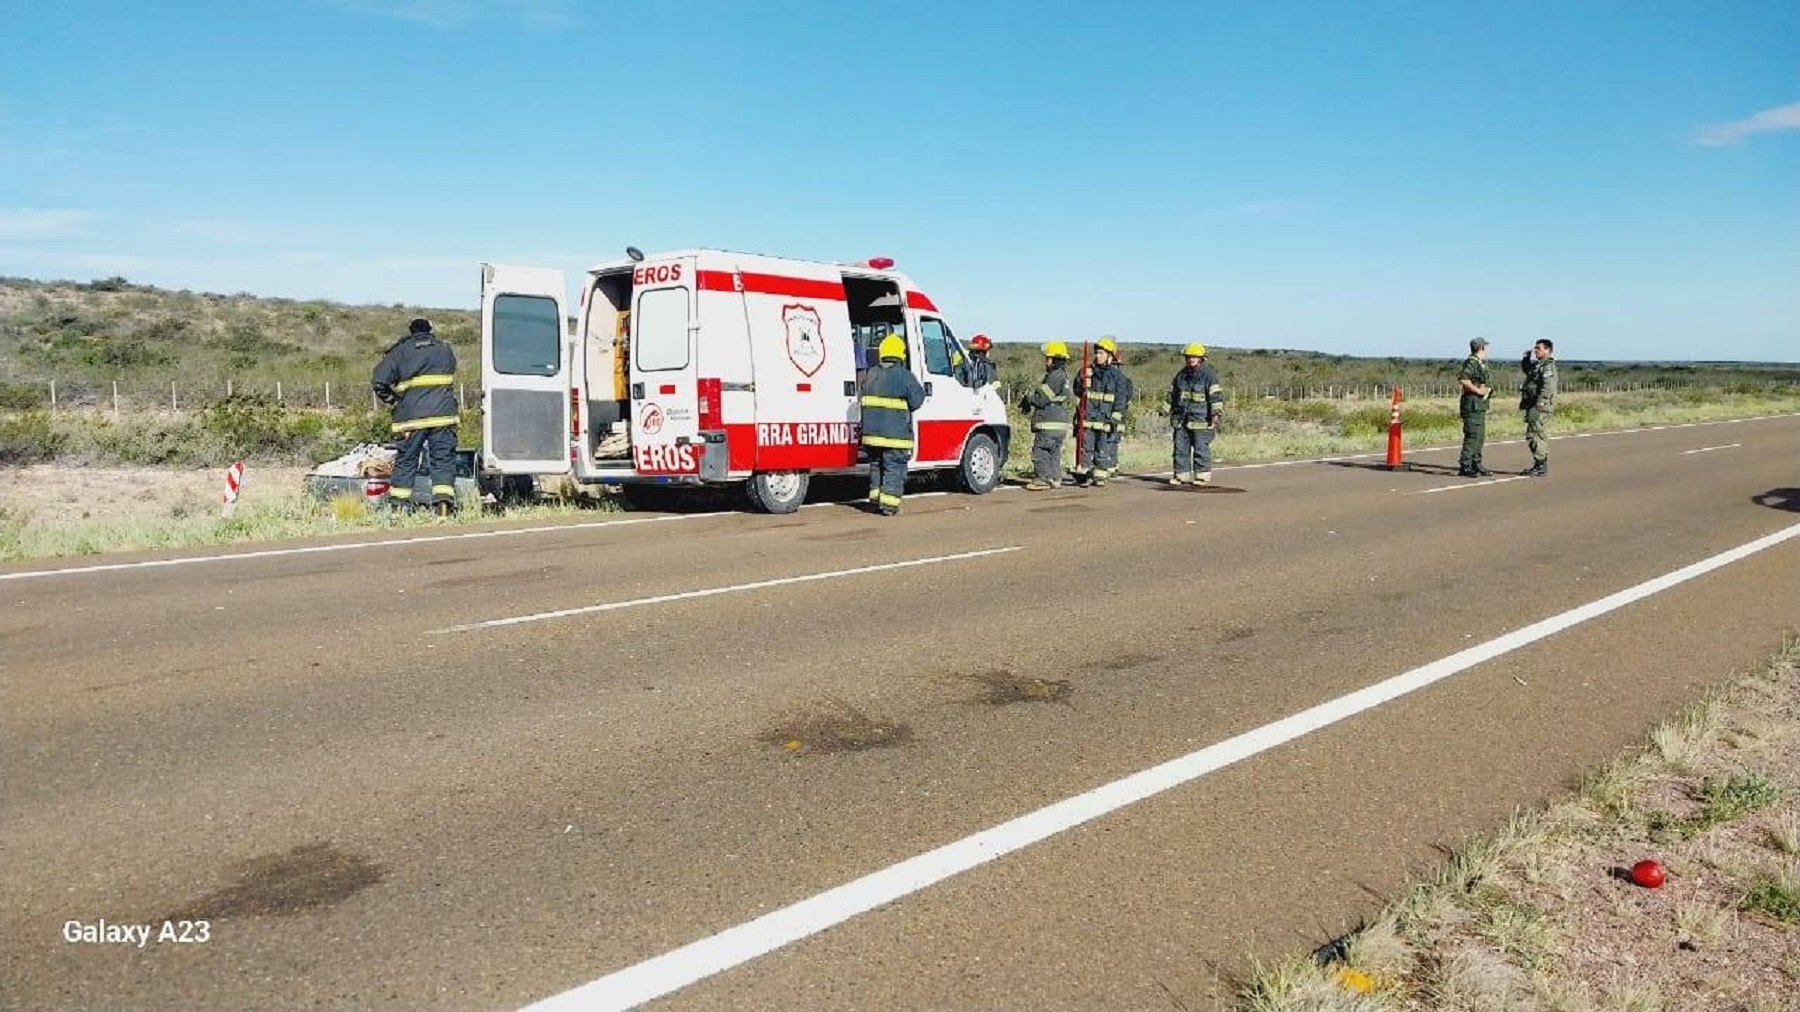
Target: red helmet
column 980, row 342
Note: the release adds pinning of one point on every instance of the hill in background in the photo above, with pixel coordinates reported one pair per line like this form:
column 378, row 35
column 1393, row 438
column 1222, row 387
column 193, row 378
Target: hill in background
column 86, row 337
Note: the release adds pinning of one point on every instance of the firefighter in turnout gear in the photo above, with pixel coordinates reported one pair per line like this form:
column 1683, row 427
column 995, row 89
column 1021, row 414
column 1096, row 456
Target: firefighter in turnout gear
column 417, row 378
column 980, row 370
column 1196, row 405
column 890, row 395
column 1050, row 404
column 1108, row 395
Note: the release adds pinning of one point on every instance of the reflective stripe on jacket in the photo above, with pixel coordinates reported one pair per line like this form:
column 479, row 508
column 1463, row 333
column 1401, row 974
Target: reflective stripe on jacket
column 418, row 377
column 1107, row 399
column 1195, row 397
column 890, row 394
column 1050, row 402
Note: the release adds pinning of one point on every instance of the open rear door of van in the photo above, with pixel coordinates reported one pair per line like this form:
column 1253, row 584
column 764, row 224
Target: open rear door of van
column 524, row 371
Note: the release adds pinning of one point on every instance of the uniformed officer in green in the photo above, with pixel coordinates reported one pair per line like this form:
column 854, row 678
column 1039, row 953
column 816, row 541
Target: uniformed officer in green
column 1105, row 393
column 890, row 395
column 1049, row 403
column 1476, row 392
column 1537, row 398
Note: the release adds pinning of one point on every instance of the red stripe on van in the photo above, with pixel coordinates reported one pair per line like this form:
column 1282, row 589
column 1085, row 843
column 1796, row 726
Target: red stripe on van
column 919, row 300
column 774, row 284
column 943, row 440
column 666, row 388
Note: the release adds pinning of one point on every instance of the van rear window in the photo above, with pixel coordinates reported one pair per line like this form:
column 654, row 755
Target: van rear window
column 661, row 321
column 527, row 336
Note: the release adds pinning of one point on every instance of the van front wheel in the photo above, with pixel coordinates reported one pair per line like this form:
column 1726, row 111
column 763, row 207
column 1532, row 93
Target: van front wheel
column 777, row 491
column 980, row 468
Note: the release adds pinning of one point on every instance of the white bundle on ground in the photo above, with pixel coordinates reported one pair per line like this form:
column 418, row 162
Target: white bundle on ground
column 365, row 460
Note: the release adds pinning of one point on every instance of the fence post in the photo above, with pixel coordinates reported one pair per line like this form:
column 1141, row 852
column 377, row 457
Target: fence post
column 174, row 402
column 328, row 393
column 278, row 391
column 115, row 400
column 53, row 397
column 460, row 399
column 228, row 387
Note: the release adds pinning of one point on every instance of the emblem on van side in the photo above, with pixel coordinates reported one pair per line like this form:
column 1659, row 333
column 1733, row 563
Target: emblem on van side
column 805, row 338
column 651, row 421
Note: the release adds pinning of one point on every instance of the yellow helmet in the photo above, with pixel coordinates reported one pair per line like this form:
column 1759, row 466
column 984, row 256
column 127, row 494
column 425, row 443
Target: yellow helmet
column 1107, row 344
column 893, row 346
column 1195, row 350
column 1056, row 349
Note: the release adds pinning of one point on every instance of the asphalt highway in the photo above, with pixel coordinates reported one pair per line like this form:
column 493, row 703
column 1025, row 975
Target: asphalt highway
column 478, row 772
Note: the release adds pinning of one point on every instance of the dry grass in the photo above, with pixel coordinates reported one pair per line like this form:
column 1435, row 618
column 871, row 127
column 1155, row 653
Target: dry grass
column 1527, row 917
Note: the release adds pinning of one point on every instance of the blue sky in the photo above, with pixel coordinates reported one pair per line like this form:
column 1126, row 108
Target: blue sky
column 1380, row 178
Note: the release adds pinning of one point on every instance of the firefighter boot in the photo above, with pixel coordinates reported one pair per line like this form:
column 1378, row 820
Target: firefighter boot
column 1180, row 479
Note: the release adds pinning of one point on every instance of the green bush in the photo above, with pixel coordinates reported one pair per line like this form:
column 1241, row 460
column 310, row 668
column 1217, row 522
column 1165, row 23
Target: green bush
column 22, row 396
column 29, row 438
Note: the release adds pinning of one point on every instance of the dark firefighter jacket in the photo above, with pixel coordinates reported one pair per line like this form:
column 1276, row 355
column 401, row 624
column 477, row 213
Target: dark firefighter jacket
column 1195, row 397
column 890, row 394
column 1107, row 399
column 1050, row 403
column 417, row 377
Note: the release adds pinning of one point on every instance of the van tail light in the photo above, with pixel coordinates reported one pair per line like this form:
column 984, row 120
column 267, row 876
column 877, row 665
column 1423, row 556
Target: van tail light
column 712, row 413
column 376, row 489
column 574, row 412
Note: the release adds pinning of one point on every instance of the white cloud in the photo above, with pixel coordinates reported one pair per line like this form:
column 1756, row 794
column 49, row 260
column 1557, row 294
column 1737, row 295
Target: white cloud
column 447, row 14
column 1785, row 117
column 1277, row 208
column 31, row 223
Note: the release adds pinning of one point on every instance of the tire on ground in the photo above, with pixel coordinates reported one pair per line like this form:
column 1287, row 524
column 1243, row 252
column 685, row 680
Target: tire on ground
column 979, row 471
column 777, row 491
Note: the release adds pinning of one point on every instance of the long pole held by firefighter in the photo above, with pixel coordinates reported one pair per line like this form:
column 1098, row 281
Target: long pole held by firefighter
column 1081, row 461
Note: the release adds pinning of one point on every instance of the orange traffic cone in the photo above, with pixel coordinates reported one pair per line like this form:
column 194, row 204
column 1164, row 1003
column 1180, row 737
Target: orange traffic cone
column 1394, row 461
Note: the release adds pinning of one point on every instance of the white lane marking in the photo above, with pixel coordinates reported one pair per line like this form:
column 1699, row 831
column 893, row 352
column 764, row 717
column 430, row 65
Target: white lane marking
column 676, row 969
column 268, row 553
column 689, row 595
column 1454, row 446
column 1473, row 484
column 553, row 528
column 1709, row 449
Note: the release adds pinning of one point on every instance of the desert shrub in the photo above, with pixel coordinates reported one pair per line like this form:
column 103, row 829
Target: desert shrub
column 29, row 437
column 22, row 396
column 145, row 439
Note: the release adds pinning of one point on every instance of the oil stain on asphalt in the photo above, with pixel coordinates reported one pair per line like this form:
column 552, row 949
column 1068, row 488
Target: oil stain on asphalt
column 835, row 726
column 308, row 877
column 1003, row 688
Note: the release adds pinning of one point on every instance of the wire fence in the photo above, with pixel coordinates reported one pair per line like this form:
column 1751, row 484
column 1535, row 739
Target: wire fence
column 123, row 397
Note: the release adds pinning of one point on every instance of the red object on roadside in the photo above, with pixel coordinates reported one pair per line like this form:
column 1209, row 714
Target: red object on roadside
column 1648, row 874
column 1394, row 458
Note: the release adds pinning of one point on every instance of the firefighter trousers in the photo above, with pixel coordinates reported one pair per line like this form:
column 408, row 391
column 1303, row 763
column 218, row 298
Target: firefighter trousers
column 438, row 447
column 1100, row 452
column 1193, row 451
column 1046, row 455
column 887, row 476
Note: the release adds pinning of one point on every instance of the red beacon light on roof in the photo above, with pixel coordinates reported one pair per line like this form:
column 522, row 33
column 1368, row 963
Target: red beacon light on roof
column 881, row 263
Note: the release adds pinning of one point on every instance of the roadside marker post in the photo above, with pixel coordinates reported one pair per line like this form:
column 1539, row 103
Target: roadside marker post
column 1395, row 461
column 234, row 480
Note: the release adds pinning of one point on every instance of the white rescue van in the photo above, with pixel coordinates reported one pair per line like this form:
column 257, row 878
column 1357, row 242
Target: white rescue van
column 704, row 367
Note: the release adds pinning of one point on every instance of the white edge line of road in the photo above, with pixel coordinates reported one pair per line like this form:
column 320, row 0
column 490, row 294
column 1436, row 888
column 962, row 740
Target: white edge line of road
column 689, row 595
column 1472, row 484
column 1709, row 449
column 268, row 553
column 663, row 975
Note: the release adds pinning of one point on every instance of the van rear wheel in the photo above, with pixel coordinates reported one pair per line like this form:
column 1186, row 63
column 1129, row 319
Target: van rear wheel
column 979, row 471
column 777, row 491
